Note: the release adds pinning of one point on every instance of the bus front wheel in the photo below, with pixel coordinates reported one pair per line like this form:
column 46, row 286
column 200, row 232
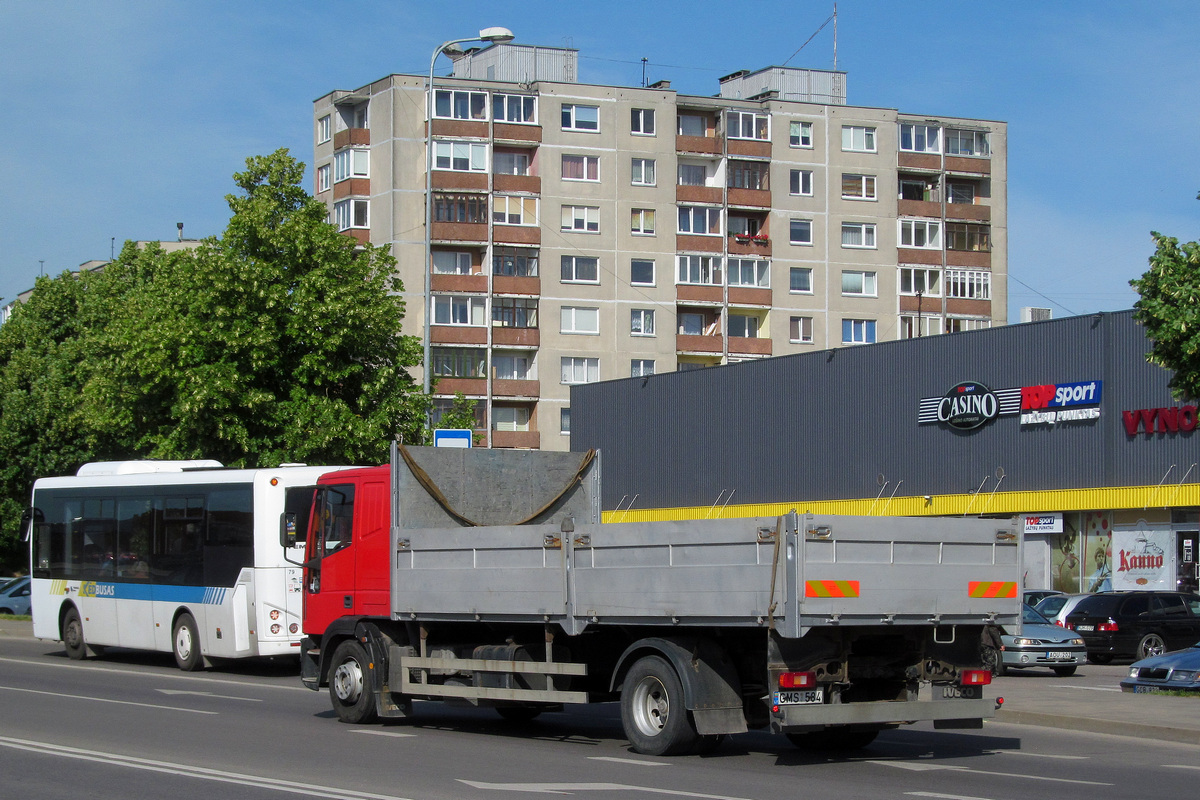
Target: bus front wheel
column 72, row 633
column 186, row 644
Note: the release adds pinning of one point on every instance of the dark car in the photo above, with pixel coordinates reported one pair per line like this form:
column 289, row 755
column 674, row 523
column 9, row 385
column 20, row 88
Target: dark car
column 1171, row 672
column 1138, row 624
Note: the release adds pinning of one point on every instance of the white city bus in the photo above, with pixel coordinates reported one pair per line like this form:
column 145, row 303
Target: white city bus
column 176, row 556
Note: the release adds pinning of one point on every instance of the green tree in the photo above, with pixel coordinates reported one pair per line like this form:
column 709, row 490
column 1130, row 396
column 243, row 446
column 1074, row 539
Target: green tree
column 460, row 416
column 1169, row 309
column 278, row 341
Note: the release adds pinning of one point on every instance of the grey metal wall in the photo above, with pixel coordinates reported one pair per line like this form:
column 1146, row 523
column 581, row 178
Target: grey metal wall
column 826, row 425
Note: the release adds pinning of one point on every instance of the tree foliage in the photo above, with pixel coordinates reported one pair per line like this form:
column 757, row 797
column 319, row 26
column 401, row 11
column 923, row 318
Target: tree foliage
column 1169, row 309
column 277, row 342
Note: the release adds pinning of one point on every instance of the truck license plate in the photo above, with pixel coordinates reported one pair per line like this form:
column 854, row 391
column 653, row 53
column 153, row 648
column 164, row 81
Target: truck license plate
column 1057, row 656
column 800, row 697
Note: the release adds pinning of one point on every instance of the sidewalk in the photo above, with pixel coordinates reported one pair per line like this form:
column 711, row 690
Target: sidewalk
column 1088, row 701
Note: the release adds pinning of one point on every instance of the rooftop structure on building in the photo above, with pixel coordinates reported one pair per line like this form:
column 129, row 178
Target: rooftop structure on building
column 582, row 232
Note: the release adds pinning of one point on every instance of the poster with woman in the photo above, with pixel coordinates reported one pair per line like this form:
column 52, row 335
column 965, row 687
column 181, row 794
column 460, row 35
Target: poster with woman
column 1099, row 552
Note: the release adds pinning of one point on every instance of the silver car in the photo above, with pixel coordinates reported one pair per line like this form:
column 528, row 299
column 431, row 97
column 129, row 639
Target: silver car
column 1056, row 607
column 14, row 597
column 1039, row 644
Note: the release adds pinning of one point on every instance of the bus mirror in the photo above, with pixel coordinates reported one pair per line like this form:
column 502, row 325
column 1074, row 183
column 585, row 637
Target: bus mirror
column 287, row 529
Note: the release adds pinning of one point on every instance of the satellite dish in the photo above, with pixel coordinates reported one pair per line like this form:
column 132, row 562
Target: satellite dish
column 999, row 473
column 881, row 480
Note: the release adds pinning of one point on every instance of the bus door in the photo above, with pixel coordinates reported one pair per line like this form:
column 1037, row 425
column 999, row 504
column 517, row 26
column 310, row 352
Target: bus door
column 330, row 574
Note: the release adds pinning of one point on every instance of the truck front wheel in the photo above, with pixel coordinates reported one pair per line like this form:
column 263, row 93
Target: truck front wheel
column 349, row 686
column 652, row 711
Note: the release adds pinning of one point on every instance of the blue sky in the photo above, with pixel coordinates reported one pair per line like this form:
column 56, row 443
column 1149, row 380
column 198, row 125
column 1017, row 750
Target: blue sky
column 124, row 117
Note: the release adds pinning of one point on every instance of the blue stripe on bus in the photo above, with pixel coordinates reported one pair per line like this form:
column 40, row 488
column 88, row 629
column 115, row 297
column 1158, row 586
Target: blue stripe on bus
column 202, row 595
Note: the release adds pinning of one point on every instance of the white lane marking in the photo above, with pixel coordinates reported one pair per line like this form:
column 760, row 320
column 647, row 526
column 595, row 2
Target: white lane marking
column 636, row 761
column 106, row 700
column 1089, row 688
column 186, row 770
column 566, row 788
column 953, row 768
column 75, row 666
column 1181, row 766
column 1036, row 755
column 209, row 694
column 382, row 733
column 945, row 796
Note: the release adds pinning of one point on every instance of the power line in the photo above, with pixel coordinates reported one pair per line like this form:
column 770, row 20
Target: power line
column 1039, row 294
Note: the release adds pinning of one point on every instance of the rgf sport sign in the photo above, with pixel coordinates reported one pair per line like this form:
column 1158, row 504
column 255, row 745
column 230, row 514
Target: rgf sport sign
column 967, row 406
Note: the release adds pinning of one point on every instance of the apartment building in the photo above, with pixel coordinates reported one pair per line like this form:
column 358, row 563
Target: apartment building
column 583, row 232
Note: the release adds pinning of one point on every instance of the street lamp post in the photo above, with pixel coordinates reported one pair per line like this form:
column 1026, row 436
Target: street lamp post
column 490, row 35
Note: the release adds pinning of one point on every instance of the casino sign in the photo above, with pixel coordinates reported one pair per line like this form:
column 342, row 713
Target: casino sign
column 971, row 405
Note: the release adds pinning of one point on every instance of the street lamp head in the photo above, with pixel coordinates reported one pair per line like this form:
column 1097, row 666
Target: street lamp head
column 496, row 35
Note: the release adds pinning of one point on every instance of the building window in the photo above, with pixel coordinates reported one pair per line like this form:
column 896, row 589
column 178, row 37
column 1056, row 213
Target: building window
column 749, row 175
column 351, row 164
column 510, row 418
column 923, row 325
column 858, row 234
column 459, row 105
column 747, row 125
column 739, row 225
column 858, row 283
column 564, row 420
column 510, row 367
column 580, row 370
column 858, row 187
column 580, row 118
column 323, row 178
column 742, row 326
column 800, row 280
column 858, row 331
column 460, row 156
column 971, row 238
column 449, row 262
column 641, row 322
column 700, row 220
column 459, row 309
column 800, row 134
column 699, row 270
column 515, row 312
column 580, row 168
column 642, row 221
column 800, row 330
column 692, row 175
column 514, row 108
column 518, row 263
column 641, row 367
column 691, row 324
column 920, row 233
column 580, row 320
column 460, row 208
column 967, row 143
column 643, row 172
column 918, row 280
column 455, row 362
column 969, row 284
column 514, row 210
column 692, row 125
column 920, row 138
column 858, row 139
column 801, row 182
column 352, row 214
column 962, row 192
column 641, row 272
column 323, row 130
column 509, row 163
column 581, row 218
column 956, row 324
column 750, row 272
column 641, row 120
column 800, row 231
column 580, row 269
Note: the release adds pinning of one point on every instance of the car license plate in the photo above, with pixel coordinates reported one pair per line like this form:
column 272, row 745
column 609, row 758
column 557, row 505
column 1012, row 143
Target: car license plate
column 1058, row 656
column 1085, row 627
column 800, row 697
column 1146, row 689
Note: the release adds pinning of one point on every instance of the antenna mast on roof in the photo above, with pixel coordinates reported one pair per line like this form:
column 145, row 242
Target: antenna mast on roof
column 832, row 18
column 835, row 37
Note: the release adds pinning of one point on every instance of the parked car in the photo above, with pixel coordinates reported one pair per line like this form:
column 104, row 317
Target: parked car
column 1056, row 607
column 1034, row 596
column 1039, row 644
column 1138, row 624
column 14, row 597
column 1171, row 672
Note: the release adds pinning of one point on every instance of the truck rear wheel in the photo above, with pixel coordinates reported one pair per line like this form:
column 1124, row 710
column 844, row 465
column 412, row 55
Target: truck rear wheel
column 652, row 710
column 349, row 686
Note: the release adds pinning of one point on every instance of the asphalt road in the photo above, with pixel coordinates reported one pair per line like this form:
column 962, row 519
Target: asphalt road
column 133, row 726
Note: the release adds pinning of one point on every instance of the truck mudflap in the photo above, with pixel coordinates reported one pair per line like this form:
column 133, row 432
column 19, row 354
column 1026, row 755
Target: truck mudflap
column 950, row 707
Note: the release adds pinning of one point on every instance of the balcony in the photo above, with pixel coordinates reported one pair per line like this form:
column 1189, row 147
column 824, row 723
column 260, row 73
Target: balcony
column 459, row 284
column 969, row 165
column 969, row 307
column 351, row 136
column 360, row 235
column 749, row 147
column 516, row 284
column 919, row 208
column 457, row 334
column 528, row 184
column 471, row 387
column 515, row 337
column 710, row 145
column 926, row 162
column 968, row 258
column 474, row 181
column 710, row 195
column 519, row 389
column 475, row 232
column 968, row 212
column 751, row 198
column 353, row 187
column 749, row 296
column 913, row 255
column 517, row 234
column 460, row 128
column 520, row 440
column 692, row 343
column 508, row 132
column 739, row 345
column 759, row 245
column 694, row 293
column 698, row 244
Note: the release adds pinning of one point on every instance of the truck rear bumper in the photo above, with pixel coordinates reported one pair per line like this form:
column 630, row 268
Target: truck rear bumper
column 880, row 713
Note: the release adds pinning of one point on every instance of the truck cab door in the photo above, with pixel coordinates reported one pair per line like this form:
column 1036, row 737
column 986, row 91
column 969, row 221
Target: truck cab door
column 330, row 575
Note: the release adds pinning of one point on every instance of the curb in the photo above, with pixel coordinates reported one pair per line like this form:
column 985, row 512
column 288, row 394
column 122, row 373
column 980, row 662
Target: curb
column 1123, row 728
